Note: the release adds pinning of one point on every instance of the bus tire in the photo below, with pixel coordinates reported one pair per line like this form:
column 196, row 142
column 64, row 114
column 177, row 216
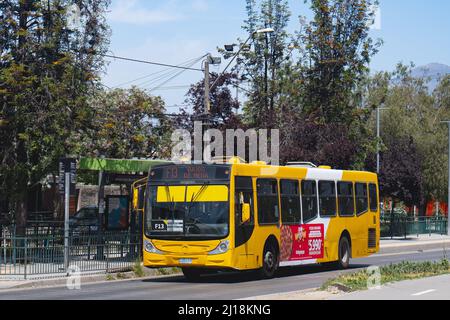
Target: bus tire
column 344, row 253
column 270, row 261
column 192, row 274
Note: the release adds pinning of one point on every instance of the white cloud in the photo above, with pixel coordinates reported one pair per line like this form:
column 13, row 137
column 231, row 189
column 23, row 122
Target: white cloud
column 133, row 12
column 200, row 5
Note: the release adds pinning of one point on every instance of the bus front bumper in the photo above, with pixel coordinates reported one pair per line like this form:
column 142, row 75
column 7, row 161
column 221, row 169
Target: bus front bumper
column 152, row 260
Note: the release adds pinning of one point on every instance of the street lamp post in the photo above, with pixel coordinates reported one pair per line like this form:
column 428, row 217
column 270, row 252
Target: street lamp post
column 266, row 30
column 379, row 137
column 448, row 199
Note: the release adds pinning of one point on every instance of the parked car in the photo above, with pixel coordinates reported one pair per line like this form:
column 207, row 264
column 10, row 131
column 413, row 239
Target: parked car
column 86, row 219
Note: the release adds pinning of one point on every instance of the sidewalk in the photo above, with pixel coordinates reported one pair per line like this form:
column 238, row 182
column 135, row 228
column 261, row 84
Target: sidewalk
column 423, row 239
column 84, row 278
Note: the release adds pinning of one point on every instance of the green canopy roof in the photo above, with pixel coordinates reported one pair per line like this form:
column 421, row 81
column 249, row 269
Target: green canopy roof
column 118, row 165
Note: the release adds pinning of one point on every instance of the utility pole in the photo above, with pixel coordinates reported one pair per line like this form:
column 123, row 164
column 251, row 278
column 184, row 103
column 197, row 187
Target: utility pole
column 378, row 139
column 207, row 106
column 207, row 85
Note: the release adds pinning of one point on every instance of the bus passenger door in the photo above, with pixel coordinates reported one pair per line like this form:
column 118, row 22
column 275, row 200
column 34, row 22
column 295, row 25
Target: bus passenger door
column 244, row 230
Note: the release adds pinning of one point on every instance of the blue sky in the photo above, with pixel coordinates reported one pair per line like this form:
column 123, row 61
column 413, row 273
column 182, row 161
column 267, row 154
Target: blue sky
column 176, row 31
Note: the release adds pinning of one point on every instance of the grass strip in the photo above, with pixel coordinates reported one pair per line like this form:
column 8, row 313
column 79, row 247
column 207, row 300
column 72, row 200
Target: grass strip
column 391, row 273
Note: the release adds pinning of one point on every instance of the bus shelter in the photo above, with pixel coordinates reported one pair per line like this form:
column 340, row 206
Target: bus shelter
column 114, row 211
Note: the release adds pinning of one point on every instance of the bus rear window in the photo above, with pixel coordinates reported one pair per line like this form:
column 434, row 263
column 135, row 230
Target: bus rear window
column 373, row 195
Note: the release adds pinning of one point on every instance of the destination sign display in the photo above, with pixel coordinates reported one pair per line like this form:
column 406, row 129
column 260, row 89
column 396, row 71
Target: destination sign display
column 190, row 172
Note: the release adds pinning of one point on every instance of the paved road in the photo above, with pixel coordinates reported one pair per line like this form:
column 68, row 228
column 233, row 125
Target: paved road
column 223, row 287
column 435, row 288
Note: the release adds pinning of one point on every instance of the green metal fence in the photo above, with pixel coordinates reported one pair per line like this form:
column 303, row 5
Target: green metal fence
column 399, row 226
column 42, row 255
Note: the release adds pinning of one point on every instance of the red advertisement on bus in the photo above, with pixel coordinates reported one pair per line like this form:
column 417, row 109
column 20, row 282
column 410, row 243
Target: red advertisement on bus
column 303, row 242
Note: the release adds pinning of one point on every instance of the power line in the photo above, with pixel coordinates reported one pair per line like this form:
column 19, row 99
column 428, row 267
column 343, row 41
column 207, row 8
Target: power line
column 173, row 77
column 173, row 87
column 178, row 106
column 183, row 64
column 153, row 63
column 169, row 73
column 155, row 80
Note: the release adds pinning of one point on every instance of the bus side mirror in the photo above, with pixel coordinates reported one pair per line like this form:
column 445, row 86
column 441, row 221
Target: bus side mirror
column 245, row 213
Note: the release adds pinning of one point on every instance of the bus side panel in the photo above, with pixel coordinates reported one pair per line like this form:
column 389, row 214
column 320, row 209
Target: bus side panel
column 332, row 236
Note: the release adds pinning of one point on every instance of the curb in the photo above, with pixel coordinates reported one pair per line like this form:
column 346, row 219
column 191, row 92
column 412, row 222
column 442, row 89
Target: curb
column 414, row 244
column 85, row 280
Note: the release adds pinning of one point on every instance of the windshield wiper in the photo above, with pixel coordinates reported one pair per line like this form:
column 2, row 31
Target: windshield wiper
column 171, row 202
column 194, row 197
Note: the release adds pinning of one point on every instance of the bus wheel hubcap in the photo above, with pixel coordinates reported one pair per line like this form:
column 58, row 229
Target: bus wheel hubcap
column 344, row 253
column 269, row 260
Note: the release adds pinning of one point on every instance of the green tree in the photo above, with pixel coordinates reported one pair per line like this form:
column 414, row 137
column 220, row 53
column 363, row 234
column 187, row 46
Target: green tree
column 326, row 87
column 224, row 107
column 336, row 52
column 127, row 124
column 47, row 71
column 411, row 121
column 262, row 65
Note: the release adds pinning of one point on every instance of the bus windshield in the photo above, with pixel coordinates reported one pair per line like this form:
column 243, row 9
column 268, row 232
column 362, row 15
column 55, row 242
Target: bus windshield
column 193, row 211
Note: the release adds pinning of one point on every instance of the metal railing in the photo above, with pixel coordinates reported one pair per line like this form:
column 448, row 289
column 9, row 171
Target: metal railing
column 41, row 255
column 400, row 226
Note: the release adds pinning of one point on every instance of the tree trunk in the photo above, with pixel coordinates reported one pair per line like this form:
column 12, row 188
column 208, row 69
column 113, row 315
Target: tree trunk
column 21, row 213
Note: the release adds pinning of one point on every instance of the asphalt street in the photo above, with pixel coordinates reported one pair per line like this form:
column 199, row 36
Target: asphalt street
column 220, row 287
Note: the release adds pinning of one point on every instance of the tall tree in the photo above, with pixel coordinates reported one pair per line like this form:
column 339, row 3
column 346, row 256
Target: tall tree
column 262, row 63
column 48, row 67
column 323, row 89
column 336, row 51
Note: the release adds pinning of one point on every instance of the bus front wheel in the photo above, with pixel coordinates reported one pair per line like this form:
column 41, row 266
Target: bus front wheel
column 192, row 274
column 270, row 261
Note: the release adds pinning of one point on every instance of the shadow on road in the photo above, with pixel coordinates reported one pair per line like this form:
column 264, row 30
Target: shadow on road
column 250, row 276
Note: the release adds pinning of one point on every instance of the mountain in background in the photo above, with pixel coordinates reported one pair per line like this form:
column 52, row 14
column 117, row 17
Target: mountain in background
column 433, row 71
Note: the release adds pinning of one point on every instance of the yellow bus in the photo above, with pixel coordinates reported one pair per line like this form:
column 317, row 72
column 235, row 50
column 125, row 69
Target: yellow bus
column 253, row 216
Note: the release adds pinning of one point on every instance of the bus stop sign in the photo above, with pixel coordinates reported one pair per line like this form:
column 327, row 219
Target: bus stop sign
column 67, row 165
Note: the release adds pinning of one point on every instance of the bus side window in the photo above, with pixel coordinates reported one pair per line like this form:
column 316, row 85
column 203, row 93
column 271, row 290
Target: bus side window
column 362, row 202
column 268, row 207
column 327, row 198
column 290, row 202
column 243, row 194
column 373, row 196
column 346, row 199
column 309, row 200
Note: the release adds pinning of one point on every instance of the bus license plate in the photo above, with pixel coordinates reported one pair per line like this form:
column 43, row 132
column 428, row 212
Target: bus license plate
column 186, row 261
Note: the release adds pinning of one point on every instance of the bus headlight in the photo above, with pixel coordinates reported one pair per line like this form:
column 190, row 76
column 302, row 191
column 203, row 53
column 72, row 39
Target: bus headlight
column 150, row 248
column 223, row 247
